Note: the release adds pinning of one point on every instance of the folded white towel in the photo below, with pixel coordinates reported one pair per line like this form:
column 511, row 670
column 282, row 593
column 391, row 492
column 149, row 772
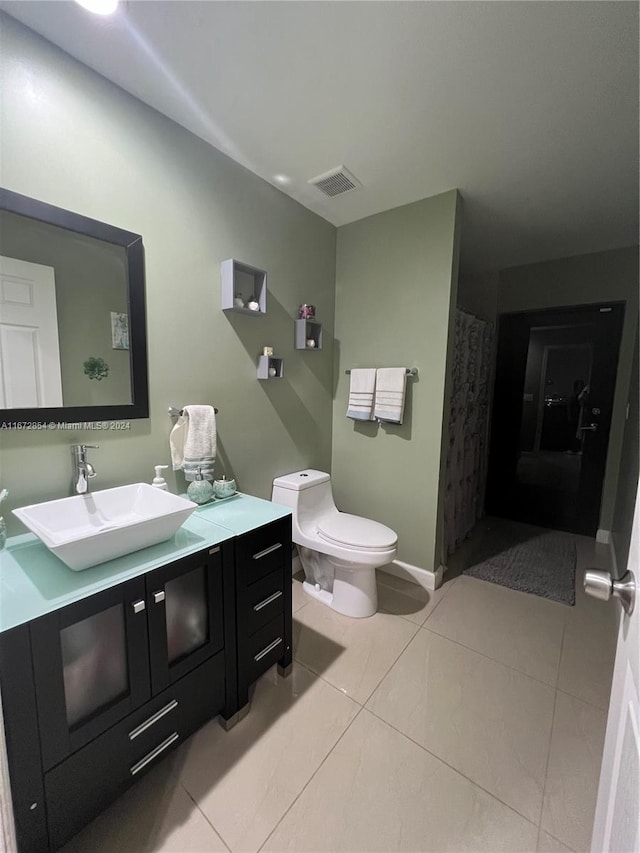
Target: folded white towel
column 193, row 442
column 363, row 383
column 389, row 399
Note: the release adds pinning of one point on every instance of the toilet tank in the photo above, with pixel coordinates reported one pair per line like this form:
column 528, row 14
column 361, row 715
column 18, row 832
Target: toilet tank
column 309, row 495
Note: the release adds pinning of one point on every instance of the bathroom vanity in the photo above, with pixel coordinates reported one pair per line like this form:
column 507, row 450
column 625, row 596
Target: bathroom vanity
column 105, row 671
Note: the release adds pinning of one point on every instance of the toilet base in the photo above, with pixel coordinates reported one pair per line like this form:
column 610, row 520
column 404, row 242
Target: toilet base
column 355, row 591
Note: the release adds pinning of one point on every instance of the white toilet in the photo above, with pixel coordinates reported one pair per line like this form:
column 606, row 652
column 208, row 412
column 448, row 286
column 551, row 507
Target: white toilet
column 339, row 552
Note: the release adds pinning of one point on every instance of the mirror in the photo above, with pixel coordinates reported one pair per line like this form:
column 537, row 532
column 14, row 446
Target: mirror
column 72, row 317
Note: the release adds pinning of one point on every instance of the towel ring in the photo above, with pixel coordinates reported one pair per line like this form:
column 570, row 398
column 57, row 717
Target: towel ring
column 174, row 412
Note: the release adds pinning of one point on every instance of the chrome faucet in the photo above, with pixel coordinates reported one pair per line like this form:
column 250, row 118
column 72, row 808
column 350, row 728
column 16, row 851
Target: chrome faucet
column 83, row 471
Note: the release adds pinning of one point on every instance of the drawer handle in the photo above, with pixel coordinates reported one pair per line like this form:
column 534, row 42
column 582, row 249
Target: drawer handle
column 133, row 734
column 138, row 606
column 266, row 551
column 154, row 753
column 267, row 601
column 268, row 649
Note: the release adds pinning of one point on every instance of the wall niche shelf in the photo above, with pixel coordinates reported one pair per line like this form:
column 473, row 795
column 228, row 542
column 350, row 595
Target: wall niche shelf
column 244, row 281
column 270, row 367
column 308, row 330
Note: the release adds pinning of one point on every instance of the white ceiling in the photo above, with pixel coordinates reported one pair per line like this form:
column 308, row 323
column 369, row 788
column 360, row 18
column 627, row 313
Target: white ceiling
column 529, row 108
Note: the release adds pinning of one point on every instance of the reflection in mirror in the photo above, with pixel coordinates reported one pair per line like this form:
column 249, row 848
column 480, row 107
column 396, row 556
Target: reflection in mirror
column 59, row 290
column 558, row 371
column 72, row 325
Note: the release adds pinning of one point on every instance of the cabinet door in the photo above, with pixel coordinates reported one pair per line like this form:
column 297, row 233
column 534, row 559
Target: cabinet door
column 91, row 667
column 185, row 615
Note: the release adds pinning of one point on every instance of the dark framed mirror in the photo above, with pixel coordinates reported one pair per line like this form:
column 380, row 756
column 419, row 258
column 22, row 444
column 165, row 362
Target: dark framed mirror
column 73, row 340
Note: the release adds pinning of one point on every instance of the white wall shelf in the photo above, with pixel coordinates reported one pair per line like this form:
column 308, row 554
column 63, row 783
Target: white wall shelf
column 270, row 367
column 245, row 281
column 306, row 331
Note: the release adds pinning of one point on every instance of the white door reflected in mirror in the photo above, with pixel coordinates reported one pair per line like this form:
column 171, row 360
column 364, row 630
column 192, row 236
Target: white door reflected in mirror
column 30, row 375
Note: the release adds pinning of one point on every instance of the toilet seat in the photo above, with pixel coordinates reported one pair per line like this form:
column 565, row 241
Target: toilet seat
column 352, row 531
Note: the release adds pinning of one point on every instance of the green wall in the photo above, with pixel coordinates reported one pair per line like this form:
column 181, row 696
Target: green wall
column 628, row 479
column 580, row 280
column 396, row 276
column 72, row 139
column 478, row 295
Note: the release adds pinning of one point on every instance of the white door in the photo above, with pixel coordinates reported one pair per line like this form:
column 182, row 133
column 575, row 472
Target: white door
column 616, row 826
column 29, row 350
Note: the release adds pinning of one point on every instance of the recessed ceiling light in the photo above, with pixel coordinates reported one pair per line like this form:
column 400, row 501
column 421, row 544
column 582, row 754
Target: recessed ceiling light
column 99, row 7
column 282, row 179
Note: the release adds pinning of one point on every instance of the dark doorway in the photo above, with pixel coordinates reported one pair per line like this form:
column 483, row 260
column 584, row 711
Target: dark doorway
column 555, row 381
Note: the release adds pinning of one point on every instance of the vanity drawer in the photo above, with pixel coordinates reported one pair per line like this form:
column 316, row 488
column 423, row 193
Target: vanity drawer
column 263, row 551
column 260, row 603
column 256, row 654
column 84, row 784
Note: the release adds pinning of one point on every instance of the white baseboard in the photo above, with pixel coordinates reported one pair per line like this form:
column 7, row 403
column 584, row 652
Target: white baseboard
column 414, row 574
column 603, row 536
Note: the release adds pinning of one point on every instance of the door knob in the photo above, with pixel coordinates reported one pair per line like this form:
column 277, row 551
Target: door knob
column 590, row 428
column 601, row 585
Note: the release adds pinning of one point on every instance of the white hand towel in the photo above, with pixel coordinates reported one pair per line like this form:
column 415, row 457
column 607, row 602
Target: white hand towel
column 363, row 383
column 389, row 399
column 193, row 442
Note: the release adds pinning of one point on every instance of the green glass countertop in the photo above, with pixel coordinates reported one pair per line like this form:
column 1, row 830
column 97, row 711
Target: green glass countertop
column 241, row 513
column 34, row 582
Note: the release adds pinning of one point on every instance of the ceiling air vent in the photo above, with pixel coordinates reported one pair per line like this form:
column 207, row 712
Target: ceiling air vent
column 336, row 182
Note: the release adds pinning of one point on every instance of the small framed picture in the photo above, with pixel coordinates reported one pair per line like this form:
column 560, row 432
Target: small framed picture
column 119, row 330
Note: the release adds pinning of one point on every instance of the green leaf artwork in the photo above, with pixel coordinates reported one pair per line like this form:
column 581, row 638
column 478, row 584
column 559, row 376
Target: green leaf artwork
column 96, row 368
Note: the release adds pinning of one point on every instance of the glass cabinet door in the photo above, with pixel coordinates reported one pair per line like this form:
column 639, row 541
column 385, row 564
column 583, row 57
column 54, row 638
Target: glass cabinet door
column 94, row 663
column 185, row 616
column 90, row 666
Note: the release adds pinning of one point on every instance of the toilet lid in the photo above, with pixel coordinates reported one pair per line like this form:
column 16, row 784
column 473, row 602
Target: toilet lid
column 354, row 531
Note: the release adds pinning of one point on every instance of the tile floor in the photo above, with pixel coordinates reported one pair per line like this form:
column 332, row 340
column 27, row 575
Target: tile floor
column 471, row 718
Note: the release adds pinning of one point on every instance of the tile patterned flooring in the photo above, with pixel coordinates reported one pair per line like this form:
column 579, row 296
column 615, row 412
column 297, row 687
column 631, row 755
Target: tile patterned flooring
column 470, row 718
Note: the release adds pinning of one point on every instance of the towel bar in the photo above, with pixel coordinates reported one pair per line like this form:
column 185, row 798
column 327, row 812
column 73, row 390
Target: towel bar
column 411, row 371
column 174, row 412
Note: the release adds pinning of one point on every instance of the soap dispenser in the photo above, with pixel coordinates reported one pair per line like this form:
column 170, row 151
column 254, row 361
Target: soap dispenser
column 159, row 481
column 200, row 491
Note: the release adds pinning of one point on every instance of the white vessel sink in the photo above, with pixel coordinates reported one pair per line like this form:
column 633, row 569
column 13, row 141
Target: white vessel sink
column 89, row 529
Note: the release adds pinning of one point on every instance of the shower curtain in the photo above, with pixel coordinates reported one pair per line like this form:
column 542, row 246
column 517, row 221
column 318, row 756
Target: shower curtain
column 468, row 428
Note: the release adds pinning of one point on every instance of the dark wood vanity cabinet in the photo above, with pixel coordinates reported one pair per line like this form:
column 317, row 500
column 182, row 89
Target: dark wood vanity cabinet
column 99, row 659
column 263, row 603
column 96, row 693
column 115, row 681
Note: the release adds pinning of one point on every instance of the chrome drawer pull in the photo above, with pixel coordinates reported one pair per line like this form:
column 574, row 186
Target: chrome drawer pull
column 159, row 596
column 267, row 601
column 154, row 753
column 266, row 651
column 266, row 551
column 214, row 550
column 133, row 734
column 138, row 606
